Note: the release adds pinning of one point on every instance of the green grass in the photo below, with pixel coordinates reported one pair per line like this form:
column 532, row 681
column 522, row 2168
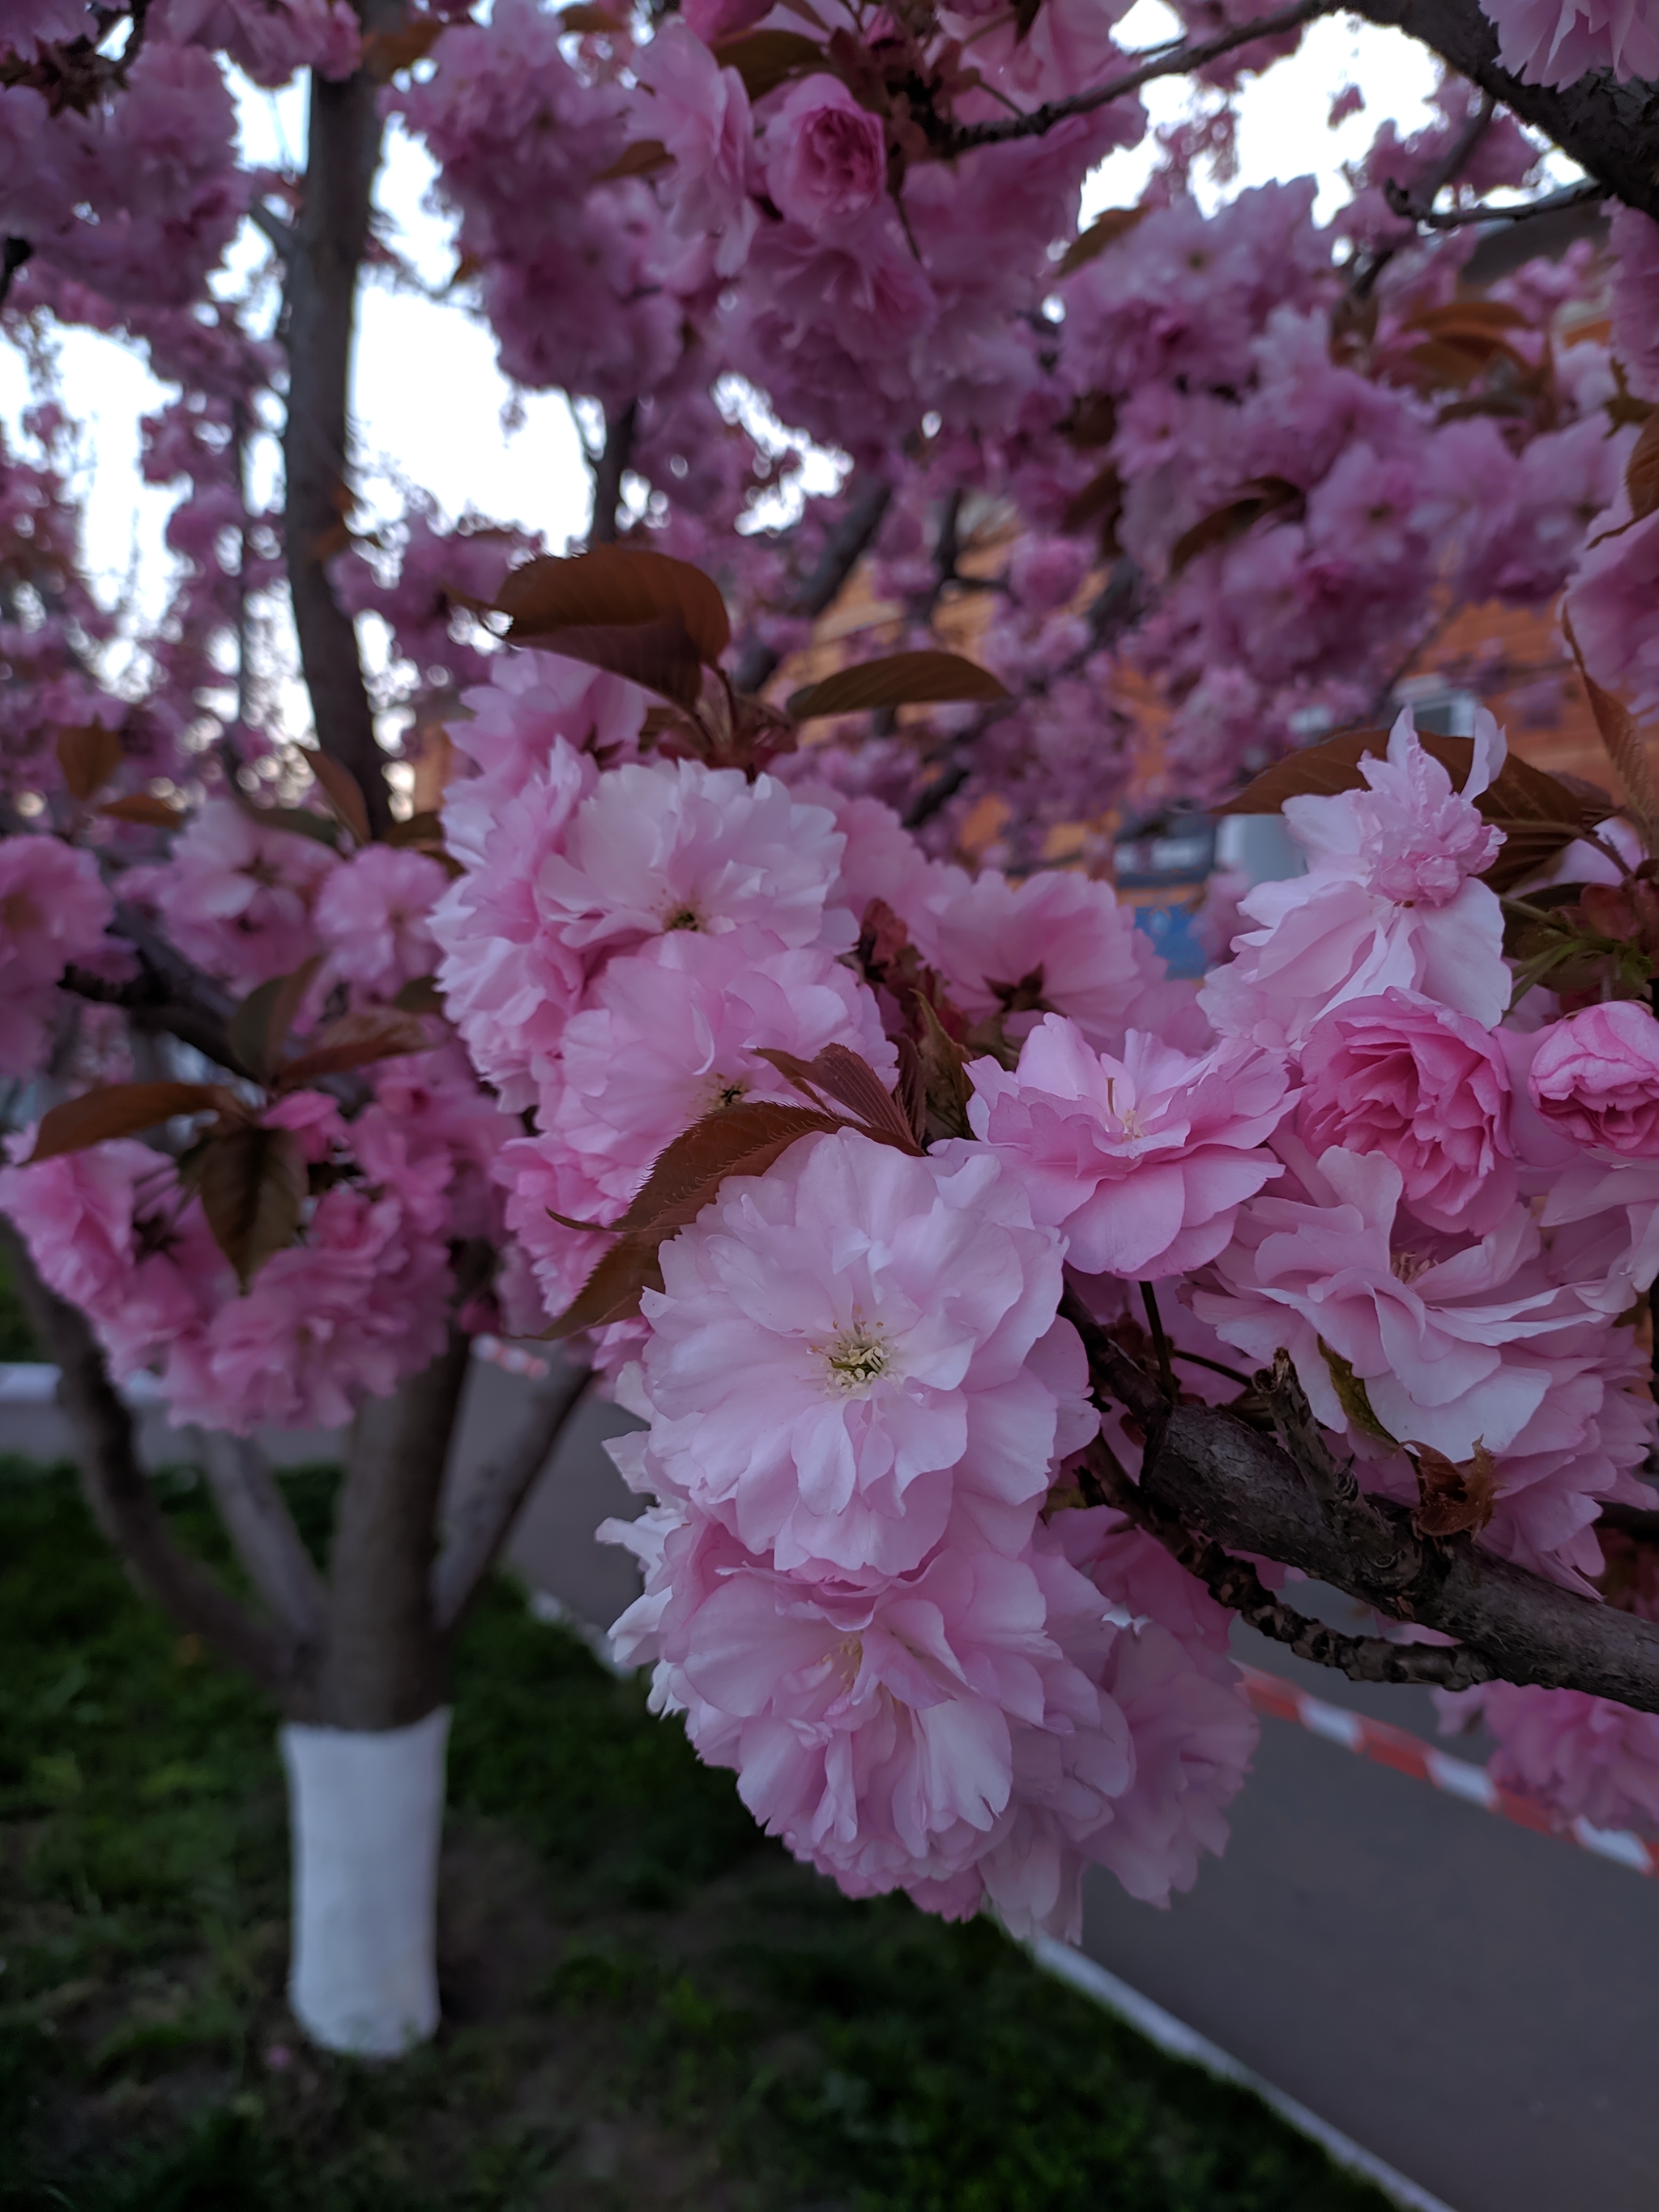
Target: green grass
column 646, row 2005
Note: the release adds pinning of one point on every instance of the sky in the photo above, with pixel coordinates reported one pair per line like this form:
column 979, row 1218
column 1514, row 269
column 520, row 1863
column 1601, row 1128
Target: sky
column 430, row 406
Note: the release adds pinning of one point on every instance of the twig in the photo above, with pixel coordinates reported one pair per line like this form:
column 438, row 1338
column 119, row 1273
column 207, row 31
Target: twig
column 1570, row 196
column 14, row 252
column 841, row 553
column 610, row 465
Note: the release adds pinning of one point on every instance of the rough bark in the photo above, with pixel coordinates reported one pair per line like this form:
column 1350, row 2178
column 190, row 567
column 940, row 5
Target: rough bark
column 324, row 257
column 122, row 1502
column 1611, row 129
column 384, row 1666
column 485, row 1519
column 611, row 465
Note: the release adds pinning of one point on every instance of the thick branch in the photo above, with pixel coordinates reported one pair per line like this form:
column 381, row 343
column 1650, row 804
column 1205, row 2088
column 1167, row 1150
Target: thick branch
column 610, row 466
column 1611, row 129
column 257, row 1521
column 121, row 1499
column 486, row 1516
column 1173, row 61
column 329, row 237
column 841, row 553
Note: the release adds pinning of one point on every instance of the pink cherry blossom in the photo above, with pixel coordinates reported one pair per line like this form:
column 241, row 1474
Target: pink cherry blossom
column 1057, row 942
column 1389, row 901
column 1557, row 41
column 701, row 116
column 1425, row 1087
column 373, row 915
column 826, row 159
column 237, row 895
column 1583, row 1757
column 1595, row 1077
column 1141, row 1162
column 851, row 1346
column 685, row 847
column 54, row 910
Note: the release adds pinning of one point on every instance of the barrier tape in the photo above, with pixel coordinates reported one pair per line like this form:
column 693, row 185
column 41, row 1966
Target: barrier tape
column 1459, row 1777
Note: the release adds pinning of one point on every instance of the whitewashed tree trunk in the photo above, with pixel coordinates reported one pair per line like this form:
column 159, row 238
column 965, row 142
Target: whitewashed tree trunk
column 366, row 1811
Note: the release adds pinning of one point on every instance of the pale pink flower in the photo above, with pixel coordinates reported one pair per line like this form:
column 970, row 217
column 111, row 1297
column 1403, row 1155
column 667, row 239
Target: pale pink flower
column 1389, row 901
column 674, row 1031
column 1584, row 1758
column 714, row 21
column 1557, row 41
column 678, row 846
column 1595, row 1075
column 826, row 157
column 1140, row 1163
column 700, row 114
column 1453, row 1346
column 237, row 893
column 373, row 915
column 1428, row 1089
column 1058, row 943
column 1610, row 600
column 54, row 910
column 855, row 1344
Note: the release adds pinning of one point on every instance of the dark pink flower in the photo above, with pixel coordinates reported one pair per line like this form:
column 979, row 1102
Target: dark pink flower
column 826, row 159
column 1596, row 1076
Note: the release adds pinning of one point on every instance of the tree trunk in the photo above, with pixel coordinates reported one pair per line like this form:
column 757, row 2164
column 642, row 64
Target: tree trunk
column 366, row 1810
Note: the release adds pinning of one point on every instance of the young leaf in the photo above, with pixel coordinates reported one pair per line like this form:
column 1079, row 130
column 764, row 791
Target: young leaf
column 1642, row 471
column 123, row 1109
column 1352, row 1395
column 143, row 808
column 1261, row 496
column 88, row 757
column 259, row 1026
column 354, row 1040
column 1456, row 1497
column 733, row 1140
column 839, row 1073
column 613, row 585
column 343, row 793
column 1105, row 230
column 766, row 60
column 252, row 1184
column 898, row 679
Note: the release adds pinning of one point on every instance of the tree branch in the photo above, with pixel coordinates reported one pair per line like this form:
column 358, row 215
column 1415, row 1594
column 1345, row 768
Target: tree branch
column 1173, row 61
column 119, row 1496
column 485, row 1518
column 329, row 234
column 1561, row 203
column 258, row 1523
column 841, row 553
column 1611, row 129
column 611, row 465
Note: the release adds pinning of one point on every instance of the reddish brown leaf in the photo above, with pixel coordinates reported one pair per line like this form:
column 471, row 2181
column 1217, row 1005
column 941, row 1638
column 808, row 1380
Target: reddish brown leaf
column 143, row 808
column 353, row 1041
column 839, row 1073
column 1100, row 499
column 659, row 656
column 615, row 586
column 421, row 995
column 766, row 60
column 898, row 679
column 1261, row 495
column 1105, row 230
column 344, row 795
column 743, row 1139
column 421, row 829
column 1627, row 749
column 259, row 1026
column 385, row 52
column 88, row 757
column 1454, row 1497
column 583, row 17
column 642, row 159
column 1468, row 319
column 123, row 1109
column 1642, row 471
column 252, row 1184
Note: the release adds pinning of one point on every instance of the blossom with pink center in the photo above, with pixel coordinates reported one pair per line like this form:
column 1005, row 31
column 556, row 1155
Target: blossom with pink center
column 1058, row 943
column 826, row 157
column 1594, row 1076
column 1451, row 1342
column 674, row 1031
column 679, row 846
column 1426, row 1087
column 1140, row 1163
column 54, row 910
column 1584, row 1758
column 855, row 1345
column 1389, row 901
column 374, row 914
column 237, row 895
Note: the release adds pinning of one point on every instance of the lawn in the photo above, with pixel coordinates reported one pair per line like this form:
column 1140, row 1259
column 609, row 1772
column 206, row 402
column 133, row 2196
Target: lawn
column 646, row 2004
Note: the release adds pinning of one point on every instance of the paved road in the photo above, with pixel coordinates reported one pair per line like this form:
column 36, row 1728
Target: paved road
column 1476, row 2004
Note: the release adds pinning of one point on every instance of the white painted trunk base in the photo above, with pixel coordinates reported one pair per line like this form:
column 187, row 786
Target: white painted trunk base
column 366, row 1814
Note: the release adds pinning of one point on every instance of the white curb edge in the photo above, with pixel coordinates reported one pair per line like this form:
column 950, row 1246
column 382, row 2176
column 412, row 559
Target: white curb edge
column 1181, row 2041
